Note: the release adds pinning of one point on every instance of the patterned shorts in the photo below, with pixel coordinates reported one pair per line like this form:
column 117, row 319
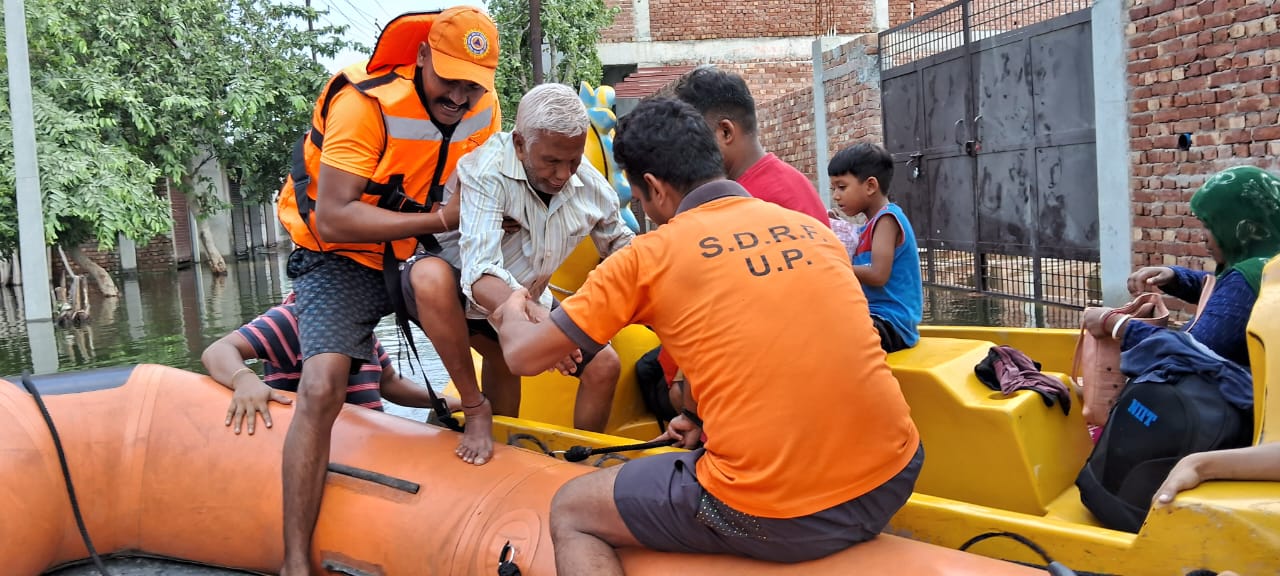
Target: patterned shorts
column 339, row 304
column 665, row 508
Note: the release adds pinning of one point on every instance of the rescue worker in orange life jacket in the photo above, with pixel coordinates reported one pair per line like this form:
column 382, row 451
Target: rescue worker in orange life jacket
column 363, row 191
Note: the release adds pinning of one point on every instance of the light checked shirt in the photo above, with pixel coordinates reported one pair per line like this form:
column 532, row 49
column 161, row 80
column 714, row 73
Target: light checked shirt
column 494, row 185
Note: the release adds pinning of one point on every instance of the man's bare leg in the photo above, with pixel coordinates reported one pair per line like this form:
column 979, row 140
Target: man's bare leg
column 500, row 385
column 598, row 380
column 435, row 292
column 586, row 526
column 321, row 391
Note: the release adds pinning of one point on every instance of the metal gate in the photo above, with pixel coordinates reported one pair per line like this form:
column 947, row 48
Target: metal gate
column 988, row 110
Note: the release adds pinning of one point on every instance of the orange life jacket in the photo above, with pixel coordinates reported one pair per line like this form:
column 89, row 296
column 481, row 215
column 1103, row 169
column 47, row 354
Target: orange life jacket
column 415, row 163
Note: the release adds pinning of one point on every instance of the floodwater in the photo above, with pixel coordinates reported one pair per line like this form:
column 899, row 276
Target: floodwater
column 170, row 317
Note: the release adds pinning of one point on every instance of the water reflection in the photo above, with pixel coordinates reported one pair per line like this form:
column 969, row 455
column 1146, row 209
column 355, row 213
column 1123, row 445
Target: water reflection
column 169, row 318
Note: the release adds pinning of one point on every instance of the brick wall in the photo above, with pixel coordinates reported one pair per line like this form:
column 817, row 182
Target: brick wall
column 1210, row 69
column 905, row 10
column 853, row 98
column 699, row 20
column 769, row 80
column 624, row 23
column 785, row 126
column 852, row 88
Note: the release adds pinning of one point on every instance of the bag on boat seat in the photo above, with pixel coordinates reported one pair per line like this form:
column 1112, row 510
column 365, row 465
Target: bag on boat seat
column 1096, row 365
column 1151, row 427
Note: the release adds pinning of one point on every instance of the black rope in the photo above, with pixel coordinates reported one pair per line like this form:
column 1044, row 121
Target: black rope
column 513, row 438
column 580, row 453
column 600, row 462
column 1055, row 568
column 66, row 472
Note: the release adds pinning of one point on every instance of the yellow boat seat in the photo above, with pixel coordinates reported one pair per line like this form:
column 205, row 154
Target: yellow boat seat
column 981, row 447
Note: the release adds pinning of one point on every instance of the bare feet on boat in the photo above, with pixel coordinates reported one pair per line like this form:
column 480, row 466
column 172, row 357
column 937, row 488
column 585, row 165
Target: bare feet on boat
column 476, row 446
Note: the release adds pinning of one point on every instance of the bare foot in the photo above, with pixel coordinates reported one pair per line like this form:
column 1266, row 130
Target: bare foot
column 476, row 445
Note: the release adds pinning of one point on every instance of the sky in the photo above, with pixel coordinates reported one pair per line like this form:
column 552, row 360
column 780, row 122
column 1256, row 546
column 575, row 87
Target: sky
column 365, row 17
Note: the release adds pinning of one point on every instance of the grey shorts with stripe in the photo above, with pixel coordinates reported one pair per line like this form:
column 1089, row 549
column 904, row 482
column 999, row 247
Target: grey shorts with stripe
column 665, row 508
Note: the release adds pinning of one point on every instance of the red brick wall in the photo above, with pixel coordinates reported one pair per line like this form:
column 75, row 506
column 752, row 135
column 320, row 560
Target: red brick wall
column 624, row 23
column 769, row 80
column 853, row 108
column 853, row 99
column 700, row 20
column 1209, row 68
column 785, row 126
column 905, row 10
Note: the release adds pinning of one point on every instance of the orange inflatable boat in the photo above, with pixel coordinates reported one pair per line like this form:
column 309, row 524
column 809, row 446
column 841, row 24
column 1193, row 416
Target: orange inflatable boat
column 156, row 473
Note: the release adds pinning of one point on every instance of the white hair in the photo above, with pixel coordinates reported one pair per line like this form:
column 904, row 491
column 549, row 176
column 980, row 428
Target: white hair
column 553, row 108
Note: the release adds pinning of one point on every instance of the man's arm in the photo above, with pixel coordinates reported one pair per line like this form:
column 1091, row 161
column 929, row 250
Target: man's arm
column 530, row 347
column 611, row 298
column 403, row 391
column 485, row 280
column 353, row 145
column 225, row 359
column 610, row 234
column 1261, row 462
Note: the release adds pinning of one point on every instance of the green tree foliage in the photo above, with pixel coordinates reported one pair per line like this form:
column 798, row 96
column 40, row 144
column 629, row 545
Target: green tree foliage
column 570, row 27
column 127, row 92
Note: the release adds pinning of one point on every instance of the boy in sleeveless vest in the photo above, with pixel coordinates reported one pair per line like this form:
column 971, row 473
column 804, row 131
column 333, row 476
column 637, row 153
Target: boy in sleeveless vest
column 885, row 261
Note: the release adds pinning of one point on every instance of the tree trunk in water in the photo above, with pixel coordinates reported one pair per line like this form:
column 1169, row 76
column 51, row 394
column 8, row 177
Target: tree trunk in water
column 4, row 272
column 211, row 254
column 208, row 250
column 100, row 277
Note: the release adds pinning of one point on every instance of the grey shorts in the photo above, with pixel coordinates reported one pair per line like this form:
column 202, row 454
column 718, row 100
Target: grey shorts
column 666, row 509
column 474, row 326
column 339, row 304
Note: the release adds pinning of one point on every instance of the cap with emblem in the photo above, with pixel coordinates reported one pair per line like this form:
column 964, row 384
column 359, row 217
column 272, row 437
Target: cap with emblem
column 464, row 46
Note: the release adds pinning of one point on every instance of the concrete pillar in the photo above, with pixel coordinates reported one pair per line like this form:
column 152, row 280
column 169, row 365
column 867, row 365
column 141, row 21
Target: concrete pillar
column 820, row 145
column 1110, row 98
column 128, row 256
column 640, row 15
column 37, row 301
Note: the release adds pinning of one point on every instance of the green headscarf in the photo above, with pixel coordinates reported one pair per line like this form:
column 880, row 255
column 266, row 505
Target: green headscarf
column 1241, row 207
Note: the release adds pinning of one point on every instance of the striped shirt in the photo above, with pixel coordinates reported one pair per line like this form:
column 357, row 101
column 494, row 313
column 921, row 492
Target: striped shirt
column 274, row 337
column 494, row 185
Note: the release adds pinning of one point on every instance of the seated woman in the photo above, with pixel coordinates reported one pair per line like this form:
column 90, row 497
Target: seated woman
column 1240, row 210
column 1187, row 392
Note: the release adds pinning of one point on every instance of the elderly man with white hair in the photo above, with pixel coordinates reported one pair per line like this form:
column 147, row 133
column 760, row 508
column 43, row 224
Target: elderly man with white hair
column 527, row 200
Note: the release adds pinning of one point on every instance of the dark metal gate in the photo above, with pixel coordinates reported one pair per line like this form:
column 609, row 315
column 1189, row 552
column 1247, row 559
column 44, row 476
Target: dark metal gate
column 988, row 110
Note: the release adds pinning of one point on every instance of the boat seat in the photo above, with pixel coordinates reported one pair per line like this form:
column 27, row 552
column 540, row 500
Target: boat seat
column 981, row 447
column 550, row 397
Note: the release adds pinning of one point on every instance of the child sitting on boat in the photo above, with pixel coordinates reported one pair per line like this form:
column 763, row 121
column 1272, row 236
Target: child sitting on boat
column 885, row 261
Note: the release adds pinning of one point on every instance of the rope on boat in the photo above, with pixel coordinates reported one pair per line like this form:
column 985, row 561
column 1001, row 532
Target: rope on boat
column 561, row 291
column 66, row 472
column 1055, row 568
column 580, row 453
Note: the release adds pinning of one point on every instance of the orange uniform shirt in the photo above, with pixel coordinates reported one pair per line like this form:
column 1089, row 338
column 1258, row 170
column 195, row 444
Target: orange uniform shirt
column 759, row 306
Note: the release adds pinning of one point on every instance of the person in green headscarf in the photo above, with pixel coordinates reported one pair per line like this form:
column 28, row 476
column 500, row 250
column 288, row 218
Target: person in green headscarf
column 1240, row 210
